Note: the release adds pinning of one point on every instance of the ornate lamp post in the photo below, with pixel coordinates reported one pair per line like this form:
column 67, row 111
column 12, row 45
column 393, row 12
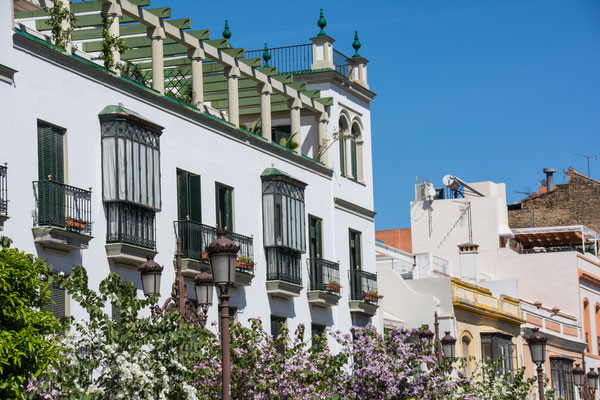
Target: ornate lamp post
column 426, row 334
column 537, row 347
column 449, row 346
column 223, row 256
column 151, row 271
column 586, row 383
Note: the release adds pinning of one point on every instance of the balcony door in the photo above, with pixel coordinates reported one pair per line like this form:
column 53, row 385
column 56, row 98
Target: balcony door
column 224, row 206
column 355, row 262
column 189, row 214
column 315, row 248
column 51, row 165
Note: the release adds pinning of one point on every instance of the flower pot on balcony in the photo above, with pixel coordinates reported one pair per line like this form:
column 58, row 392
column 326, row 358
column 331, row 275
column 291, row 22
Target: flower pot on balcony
column 205, row 256
column 75, row 223
column 244, row 265
column 370, row 297
column 332, row 288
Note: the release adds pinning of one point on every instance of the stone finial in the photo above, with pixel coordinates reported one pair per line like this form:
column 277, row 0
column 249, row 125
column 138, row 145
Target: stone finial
column 356, row 45
column 226, row 31
column 322, row 23
column 266, row 56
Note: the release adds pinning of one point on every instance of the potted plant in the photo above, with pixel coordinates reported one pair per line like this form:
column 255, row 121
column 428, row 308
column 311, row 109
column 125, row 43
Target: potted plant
column 245, row 262
column 75, row 223
column 333, row 286
column 371, row 296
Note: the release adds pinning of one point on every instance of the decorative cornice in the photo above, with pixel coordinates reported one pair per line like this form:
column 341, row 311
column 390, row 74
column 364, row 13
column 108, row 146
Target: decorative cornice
column 354, row 209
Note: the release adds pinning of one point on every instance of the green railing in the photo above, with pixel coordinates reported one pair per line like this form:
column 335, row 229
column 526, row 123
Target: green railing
column 130, row 223
column 3, row 191
column 362, row 283
column 322, row 273
column 196, row 236
column 62, row 206
column 283, row 264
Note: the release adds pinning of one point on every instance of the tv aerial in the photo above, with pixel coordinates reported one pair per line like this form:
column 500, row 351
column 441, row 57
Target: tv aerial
column 457, row 187
column 588, row 158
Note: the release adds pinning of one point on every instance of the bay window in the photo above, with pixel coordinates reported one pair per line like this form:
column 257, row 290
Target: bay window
column 130, row 175
column 284, row 230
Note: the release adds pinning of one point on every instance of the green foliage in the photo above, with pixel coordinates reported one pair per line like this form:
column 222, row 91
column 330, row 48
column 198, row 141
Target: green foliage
column 289, row 142
column 255, row 127
column 59, row 13
column 135, row 356
column 24, row 324
column 326, row 143
column 110, row 43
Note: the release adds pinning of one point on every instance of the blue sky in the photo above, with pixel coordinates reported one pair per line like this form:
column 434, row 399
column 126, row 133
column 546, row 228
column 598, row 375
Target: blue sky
column 485, row 90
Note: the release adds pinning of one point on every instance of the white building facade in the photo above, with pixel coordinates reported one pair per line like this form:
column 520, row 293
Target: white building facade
column 120, row 169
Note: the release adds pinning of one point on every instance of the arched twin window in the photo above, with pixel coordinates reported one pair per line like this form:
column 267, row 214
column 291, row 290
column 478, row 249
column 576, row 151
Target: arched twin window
column 351, row 148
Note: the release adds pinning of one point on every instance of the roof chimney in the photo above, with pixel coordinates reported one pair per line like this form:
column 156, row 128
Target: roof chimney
column 469, row 270
column 549, row 178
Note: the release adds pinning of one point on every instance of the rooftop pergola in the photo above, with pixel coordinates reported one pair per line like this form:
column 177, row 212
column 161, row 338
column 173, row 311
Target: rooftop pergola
column 557, row 236
column 166, row 55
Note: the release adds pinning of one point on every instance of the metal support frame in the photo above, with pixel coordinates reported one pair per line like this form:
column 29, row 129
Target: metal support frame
column 179, row 300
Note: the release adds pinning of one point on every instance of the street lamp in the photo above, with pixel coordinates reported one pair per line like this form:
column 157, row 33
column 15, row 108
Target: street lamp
column 426, row 334
column 586, row 383
column 578, row 376
column 537, row 347
column 449, row 346
column 222, row 253
column 151, row 271
column 592, row 378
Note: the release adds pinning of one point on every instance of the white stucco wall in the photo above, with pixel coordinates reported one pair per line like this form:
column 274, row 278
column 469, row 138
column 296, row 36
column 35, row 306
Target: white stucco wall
column 50, row 88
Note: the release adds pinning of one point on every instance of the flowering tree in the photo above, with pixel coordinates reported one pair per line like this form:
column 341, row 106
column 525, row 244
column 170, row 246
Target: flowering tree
column 24, row 352
column 141, row 356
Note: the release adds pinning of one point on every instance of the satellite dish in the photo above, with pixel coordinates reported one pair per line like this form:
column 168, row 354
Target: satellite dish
column 448, row 180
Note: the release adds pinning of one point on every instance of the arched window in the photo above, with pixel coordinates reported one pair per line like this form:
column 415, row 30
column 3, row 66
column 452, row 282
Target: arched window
column 343, row 133
column 356, row 153
column 587, row 326
column 597, row 327
column 466, row 352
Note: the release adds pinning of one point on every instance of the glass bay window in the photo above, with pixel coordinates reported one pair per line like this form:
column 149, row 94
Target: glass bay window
column 130, row 175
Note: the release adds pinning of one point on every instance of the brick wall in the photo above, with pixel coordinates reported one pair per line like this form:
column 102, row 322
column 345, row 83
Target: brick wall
column 397, row 238
column 574, row 203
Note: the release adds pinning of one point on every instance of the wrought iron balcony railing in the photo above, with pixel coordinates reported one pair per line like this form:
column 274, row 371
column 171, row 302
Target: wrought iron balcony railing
column 131, row 224
column 3, row 191
column 196, row 236
column 298, row 58
column 283, row 264
column 363, row 285
column 324, row 275
column 62, row 206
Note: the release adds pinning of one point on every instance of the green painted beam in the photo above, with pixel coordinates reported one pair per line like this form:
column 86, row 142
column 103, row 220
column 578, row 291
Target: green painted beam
column 268, row 70
column 313, row 93
column 135, row 42
column 219, row 43
column 131, row 29
column 76, row 8
column 222, row 86
column 236, row 53
column 326, row 101
column 250, row 101
column 84, row 21
column 287, row 78
column 146, row 52
column 300, row 86
column 256, row 110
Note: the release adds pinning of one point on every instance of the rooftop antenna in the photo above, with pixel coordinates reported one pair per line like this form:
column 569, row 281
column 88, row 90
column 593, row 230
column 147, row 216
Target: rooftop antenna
column 588, row 158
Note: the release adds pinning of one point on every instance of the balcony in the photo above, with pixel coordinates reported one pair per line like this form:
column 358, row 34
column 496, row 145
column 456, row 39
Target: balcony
column 297, row 59
column 284, row 277
column 194, row 239
column 363, row 292
column 324, row 285
column 3, row 196
column 477, row 299
column 130, row 233
column 63, row 217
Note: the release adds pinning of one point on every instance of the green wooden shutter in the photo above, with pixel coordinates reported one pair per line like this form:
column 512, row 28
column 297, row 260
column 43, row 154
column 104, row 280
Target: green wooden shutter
column 182, row 195
column 57, row 303
column 319, row 238
column 353, row 158
column 358, row 257
column 195, row 204
column 51, row 198
column 342, row 156
column 229, row 209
